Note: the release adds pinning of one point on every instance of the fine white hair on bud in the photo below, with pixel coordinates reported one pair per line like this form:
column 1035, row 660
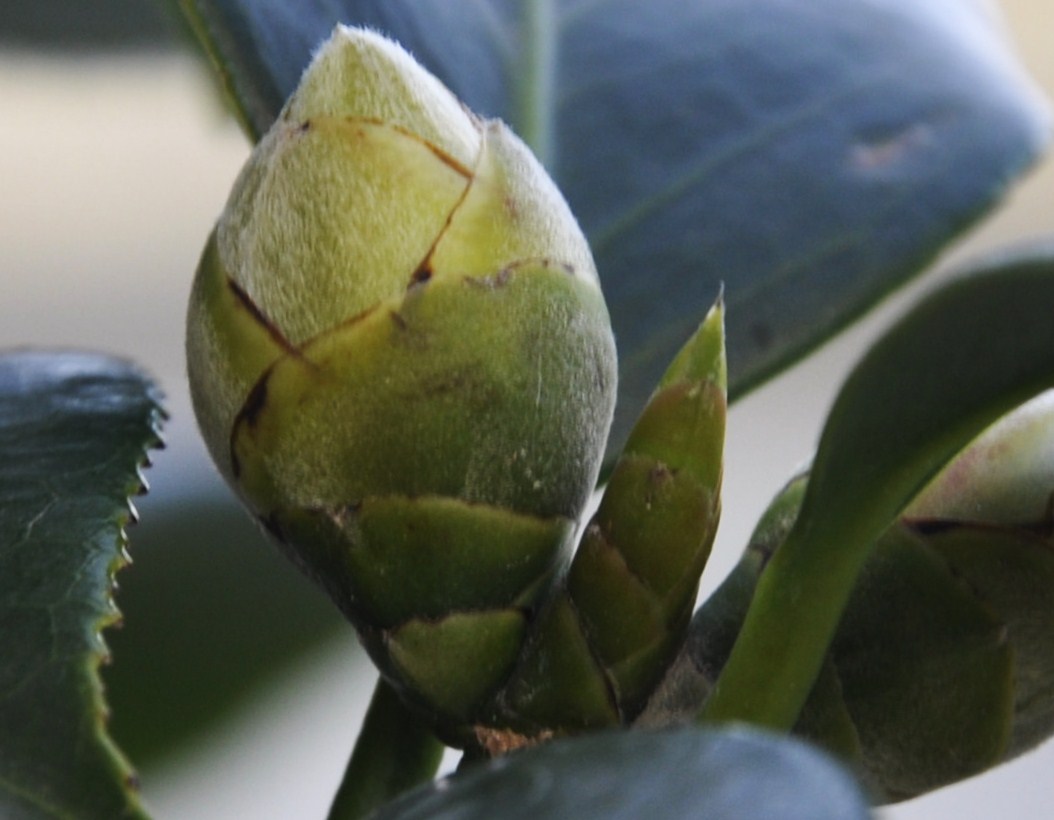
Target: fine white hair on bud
column 401, row 360
column 1005, row 477
column 360, row 73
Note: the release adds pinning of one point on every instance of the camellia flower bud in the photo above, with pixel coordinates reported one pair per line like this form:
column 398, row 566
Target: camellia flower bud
column 1004, row 478
column 943, row 663
column 400, row 357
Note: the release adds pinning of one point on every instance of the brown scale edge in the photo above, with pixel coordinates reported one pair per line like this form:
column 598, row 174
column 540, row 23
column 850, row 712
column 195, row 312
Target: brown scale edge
column 260, row 317
column 256, row 399
column 492, row 281
column 423, row 271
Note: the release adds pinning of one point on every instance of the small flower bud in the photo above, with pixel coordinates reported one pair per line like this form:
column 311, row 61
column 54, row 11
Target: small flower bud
column 943, row 662
column 1005, row 477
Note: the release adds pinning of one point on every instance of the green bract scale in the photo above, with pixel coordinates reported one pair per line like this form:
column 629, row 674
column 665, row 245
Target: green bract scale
column 400, row 357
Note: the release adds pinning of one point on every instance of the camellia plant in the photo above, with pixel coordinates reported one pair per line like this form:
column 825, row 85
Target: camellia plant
column 401, row 350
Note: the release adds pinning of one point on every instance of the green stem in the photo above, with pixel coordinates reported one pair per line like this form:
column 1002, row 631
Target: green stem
column 796, row 608
column 538, row 79
column 394, row 753
column 907, row 408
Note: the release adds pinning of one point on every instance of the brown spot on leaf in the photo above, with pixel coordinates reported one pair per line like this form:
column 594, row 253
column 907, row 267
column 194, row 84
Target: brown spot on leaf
column 761, row 334
column 890, row 149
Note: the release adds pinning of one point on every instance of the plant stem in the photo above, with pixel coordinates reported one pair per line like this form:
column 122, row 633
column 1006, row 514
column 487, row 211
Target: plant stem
column 394, row 752
column 893, row 426
column 538, row 79
column 795, row 611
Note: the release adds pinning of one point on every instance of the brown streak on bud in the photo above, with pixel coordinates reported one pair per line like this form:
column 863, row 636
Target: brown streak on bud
column 250, row 306
column 424, row 271
column 491, row 281
column 451, row 162
column 305, row 347
column 397, row 317
column 249, row 415
column 422, row 274
column 255, row 402
column 498, row 742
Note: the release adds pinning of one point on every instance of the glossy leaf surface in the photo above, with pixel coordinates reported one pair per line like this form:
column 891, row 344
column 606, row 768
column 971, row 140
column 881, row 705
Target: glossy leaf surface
column 74, row 430
column 810, row 157
column 662, row 775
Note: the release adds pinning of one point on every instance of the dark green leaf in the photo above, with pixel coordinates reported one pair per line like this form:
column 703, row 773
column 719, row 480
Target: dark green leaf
column 61, row 25
column 660, row 775
column 213, row 612
column 969, row 353
column 74, row 429
column 810, row 156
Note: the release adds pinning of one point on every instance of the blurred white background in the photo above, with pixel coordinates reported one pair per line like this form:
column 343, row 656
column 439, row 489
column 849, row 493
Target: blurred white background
column 111, row 174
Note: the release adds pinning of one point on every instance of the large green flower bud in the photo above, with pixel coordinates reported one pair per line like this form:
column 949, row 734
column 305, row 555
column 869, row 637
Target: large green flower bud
column 400, row 358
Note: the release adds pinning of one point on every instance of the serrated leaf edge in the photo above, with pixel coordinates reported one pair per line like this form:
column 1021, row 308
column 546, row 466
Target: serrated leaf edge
column 101, row 655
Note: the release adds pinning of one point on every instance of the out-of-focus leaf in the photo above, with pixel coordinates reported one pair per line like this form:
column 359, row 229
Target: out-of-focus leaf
column 966, row 355
column 59, row 25
column 212, row 613
column 665, row 775
column 811, row 156
column 74, row 430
